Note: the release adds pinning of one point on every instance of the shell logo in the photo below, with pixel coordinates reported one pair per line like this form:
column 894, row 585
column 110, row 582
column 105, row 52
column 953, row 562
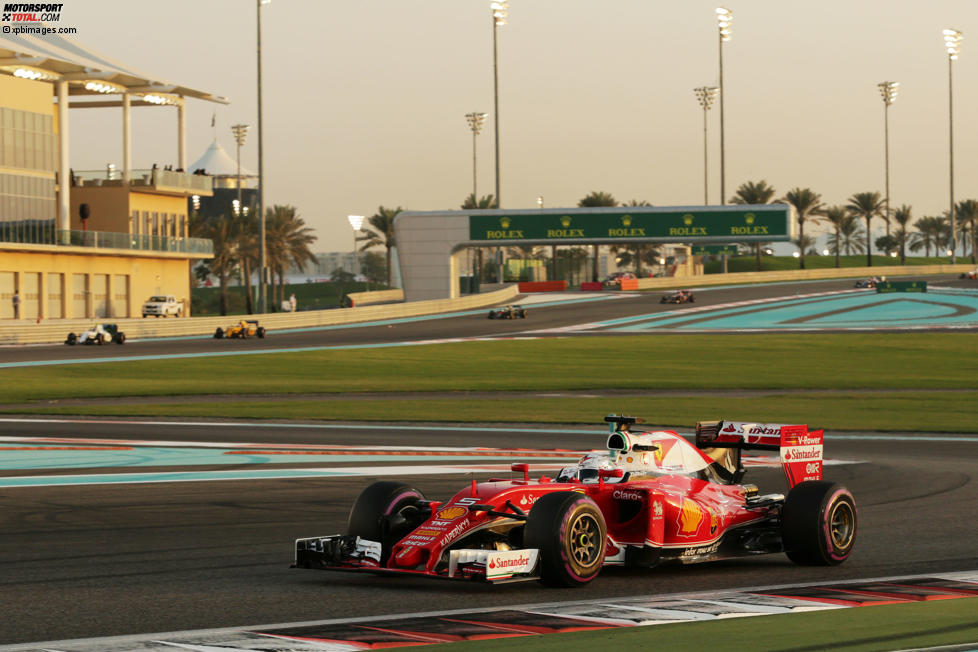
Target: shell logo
column 505, row 222
column 687, row 219
column 714, row 523
column 452, row 513
column 565, row 221
column 749, row 218
column 626, row 220
column 690, row 517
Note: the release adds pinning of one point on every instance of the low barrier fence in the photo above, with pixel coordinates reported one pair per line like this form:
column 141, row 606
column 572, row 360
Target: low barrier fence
column 738, row 278
column 29, row 332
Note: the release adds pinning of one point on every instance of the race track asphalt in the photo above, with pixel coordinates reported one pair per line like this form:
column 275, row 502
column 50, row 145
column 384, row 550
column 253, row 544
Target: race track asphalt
column 102, row 560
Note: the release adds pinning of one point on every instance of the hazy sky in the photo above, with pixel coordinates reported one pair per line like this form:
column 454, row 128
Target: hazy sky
column 365, row 100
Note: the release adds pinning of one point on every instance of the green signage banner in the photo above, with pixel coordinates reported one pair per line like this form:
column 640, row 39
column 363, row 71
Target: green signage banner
column 750, row 224
column 884, row 287
column 715, row 250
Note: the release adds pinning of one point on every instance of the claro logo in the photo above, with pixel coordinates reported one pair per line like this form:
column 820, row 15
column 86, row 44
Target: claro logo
column 620, row 494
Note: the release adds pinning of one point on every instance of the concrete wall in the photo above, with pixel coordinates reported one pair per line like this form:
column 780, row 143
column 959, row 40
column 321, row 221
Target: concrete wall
column 94, row 284
column 800, row 275
column 424, row 247
column 28, row 332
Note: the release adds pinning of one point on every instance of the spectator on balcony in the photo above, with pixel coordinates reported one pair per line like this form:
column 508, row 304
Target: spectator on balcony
column 16, row 300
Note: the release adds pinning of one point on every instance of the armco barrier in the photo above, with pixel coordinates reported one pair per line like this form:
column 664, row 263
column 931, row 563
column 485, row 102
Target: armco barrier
column 543, row 286
column 739, row 278
column 55, row 331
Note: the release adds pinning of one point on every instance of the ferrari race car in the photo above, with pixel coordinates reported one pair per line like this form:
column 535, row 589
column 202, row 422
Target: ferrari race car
column 679, row 296
column 97, row 334
column 508, row 312
column 870, row 282
column 972, row 275
column 243, row 329
column 652, row 497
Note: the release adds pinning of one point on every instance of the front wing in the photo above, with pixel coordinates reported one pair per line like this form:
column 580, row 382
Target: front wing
column 349, row 553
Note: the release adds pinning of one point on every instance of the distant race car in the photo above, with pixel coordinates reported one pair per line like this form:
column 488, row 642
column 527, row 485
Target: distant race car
column 679, row 296
column 243, row 329
column 508, row 312
column 616, row 278
column 870, row 282
column 973, row 274
column 649, row 498
column 97, row 334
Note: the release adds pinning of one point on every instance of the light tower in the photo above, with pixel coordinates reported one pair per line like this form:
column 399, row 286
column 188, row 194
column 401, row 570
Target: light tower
column 706, row 96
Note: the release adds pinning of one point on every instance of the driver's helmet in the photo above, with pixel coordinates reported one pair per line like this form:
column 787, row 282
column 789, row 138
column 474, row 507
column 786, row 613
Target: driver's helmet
column 592, row 463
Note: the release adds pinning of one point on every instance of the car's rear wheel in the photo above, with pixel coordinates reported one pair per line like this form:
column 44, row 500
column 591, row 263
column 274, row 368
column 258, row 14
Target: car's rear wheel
column 219, row 333
column 569, row 530
column 260, row 331
column 120, row 338
column 99, row 339
column 72, row 339
column 818, row 523
column 385, row 511
column 492, row 315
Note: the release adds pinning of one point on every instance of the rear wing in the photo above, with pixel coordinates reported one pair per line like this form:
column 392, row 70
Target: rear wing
column 800, row 449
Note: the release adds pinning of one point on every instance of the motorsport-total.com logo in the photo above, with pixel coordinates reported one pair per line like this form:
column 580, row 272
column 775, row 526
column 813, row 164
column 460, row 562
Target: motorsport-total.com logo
column 31, row 12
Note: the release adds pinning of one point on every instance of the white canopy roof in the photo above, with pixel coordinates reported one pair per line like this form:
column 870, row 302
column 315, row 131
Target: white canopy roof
column 218, row 163
column 62, row 58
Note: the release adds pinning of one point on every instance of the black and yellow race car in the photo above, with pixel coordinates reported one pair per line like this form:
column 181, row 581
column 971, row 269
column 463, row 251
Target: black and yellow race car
column 243, row 329
column 508, row 312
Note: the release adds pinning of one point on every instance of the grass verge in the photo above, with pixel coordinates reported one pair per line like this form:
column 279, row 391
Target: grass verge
column 765, row 361
column 943, row 411
column 864, row 629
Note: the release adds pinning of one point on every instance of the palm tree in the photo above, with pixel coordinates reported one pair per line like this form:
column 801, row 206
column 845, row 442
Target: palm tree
column 754, row 193
column 852, row 238
column 486, row 201
column 808, row 204
column 220, row 230
column 902, row 217
column 836, row 216
column 967, row 213
column 382, row 235
column 287, row 241
column 593, row 199
column 867, row 205
column 929, row 233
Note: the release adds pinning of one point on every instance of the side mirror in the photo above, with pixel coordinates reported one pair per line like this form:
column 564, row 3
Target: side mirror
column 521, row 467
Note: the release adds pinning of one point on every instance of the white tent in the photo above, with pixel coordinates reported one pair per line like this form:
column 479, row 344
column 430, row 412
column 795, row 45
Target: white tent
column 218, row 163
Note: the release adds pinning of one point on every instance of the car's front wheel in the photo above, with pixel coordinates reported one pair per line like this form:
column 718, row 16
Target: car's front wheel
column 569, row 530
column 818, row 523
column 219, row 333
column 72, row 339
column 260, row 331
column 119, row 338
column 385, row 512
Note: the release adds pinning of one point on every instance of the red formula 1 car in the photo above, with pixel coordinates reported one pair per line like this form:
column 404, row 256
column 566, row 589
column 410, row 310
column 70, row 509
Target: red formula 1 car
column 653, row 497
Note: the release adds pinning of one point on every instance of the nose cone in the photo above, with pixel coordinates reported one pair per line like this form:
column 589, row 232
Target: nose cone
column 409, row 557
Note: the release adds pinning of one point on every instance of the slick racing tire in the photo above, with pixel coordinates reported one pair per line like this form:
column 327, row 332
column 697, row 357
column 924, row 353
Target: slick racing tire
column 119, row 338
column 386, row 511
column 492, row 315
column 260, row 331
column 569, row 530
column 692, row 299
column 99, row 339
column 818, row 523
column 219, row 333
column 72, row 339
